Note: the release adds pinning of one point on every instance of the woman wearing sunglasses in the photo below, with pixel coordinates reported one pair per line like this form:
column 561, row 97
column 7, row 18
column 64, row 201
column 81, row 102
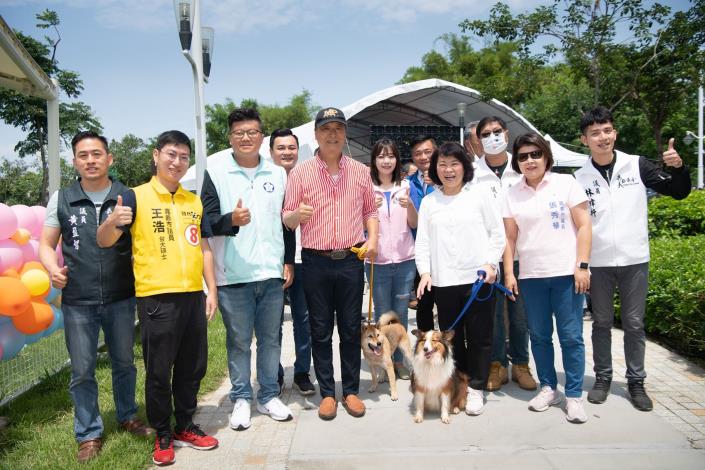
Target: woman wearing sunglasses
column 547, row 222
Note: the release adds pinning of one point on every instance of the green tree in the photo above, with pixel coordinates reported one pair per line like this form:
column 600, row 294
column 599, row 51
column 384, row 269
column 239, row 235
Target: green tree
column 132, row 158
column 584, row 33
column 298, row 111
column 494, row 71
column 557, row 105
column 29, row 113
column 20, row 181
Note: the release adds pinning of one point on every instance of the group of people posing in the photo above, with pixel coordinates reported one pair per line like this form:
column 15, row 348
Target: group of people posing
column 471, row 212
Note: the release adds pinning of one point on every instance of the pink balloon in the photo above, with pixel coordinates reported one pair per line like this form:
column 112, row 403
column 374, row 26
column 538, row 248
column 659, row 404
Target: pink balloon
column 8, row 222
column 11, row 256
column 25, row 217
column 30, row 251
column 40, row 215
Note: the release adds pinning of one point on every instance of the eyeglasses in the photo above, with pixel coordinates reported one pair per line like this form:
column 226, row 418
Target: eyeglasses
column 251, row 133
column 489, row 133
column 534, row 155
column 173, row 156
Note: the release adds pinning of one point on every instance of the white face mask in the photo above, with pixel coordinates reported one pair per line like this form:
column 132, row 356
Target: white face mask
column 494, row 144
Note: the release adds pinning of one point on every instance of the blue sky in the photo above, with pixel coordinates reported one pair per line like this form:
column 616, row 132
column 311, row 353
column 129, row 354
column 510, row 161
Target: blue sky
column 137, row 81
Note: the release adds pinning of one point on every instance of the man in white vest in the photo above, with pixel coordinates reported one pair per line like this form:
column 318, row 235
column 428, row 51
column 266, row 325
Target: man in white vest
column 494, row 170
column 615, row 184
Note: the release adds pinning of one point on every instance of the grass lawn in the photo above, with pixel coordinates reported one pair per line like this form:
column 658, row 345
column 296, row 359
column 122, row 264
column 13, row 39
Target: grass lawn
column 40, row 433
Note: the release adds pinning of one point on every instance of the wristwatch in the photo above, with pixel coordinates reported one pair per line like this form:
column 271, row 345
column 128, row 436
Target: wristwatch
column 582, row 265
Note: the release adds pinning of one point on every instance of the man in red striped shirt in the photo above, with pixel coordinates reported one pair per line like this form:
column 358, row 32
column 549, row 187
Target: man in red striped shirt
column 331, row 197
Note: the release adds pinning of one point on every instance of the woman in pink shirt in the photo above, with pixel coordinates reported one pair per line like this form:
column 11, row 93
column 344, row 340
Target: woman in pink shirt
column 546, row 220
column 394, row 266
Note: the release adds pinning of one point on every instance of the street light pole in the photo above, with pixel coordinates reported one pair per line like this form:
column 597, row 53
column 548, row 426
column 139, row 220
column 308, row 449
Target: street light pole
column 188, row 13
column 461, row 120
column 701, row 102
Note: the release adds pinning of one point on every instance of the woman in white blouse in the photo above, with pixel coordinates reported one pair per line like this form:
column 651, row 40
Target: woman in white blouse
column 460, row 233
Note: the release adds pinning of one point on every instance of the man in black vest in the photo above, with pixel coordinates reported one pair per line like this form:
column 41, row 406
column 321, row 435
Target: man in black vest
column 98, row 291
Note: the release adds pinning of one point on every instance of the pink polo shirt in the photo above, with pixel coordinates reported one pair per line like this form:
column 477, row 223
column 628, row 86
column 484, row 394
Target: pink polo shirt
column 547, row 238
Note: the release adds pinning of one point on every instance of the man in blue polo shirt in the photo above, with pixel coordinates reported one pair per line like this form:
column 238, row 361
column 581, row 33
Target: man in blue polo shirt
column 243, row 194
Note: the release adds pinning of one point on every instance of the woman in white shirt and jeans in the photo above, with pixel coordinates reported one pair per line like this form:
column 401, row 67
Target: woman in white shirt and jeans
column 458, row 234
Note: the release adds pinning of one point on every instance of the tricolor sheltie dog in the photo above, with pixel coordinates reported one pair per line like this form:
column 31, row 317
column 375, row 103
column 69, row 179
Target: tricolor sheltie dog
column 435, row 382
column 378, row 342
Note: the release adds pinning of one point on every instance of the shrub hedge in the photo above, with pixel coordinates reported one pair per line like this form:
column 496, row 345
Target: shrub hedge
column 668, row 217
column 675, row 305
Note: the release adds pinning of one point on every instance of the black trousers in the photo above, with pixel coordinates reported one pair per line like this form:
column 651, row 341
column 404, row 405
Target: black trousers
column 472, row 343
column 424, row 308
column 333, row 290
column 175, row 351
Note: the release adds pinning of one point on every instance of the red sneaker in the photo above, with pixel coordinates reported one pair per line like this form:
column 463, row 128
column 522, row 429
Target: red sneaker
column 192, row 436
column 163, row 450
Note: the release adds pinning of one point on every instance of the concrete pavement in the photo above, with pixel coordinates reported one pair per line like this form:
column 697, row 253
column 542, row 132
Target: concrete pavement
column 507, row 435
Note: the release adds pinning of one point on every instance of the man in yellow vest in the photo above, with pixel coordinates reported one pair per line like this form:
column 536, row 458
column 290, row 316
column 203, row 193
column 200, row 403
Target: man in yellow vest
column 170, row 260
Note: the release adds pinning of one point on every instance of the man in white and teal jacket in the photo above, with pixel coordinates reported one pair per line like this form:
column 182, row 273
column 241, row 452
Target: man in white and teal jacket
column 243, row 195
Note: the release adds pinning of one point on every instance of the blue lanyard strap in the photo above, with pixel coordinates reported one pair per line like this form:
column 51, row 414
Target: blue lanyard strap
column 475, row 290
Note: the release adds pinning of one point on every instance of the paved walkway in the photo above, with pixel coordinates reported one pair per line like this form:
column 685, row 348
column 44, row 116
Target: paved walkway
column 507, row 435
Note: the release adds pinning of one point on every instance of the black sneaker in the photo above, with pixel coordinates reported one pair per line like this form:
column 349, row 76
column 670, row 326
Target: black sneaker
column 640, row 399
column 600, row 390
column 303, row 384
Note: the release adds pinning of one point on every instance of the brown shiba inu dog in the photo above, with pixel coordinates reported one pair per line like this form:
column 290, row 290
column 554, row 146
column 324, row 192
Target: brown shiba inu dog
column 436, row 384
column 378, row 342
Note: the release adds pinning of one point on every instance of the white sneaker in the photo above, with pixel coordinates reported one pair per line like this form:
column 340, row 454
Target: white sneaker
column 575, row 411
column 475, row 402
column 545, row 398
column 240, row 417
column 276, row 410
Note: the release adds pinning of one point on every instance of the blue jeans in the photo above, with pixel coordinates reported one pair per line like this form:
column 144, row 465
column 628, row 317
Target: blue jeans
column 82, row 324
column 392, row 284
column 518, row 331
column 299, row 316
column 545, row 298
column 247, row 308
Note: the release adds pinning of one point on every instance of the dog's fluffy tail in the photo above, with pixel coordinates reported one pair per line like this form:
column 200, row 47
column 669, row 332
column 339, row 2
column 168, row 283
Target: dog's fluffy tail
column 387, row 319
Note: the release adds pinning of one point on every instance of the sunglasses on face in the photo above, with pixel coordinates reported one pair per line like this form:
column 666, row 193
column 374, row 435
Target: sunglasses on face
column 534, row 155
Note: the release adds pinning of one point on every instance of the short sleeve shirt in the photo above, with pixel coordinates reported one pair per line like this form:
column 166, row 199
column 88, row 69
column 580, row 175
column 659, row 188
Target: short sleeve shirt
column 547, row 238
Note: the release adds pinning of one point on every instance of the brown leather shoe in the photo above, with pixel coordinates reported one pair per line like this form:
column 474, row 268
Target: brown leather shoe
column 328, row 409
column 88, row 450
column 497, row 377
column 521, row 374
column 137, row 427
column 354, row 406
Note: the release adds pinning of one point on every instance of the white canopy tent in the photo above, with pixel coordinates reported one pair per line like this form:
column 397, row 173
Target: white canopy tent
column 19, row 71
column 431, row 102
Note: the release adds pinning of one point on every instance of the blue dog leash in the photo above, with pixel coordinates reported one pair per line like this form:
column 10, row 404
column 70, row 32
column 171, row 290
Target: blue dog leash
column 476, row 290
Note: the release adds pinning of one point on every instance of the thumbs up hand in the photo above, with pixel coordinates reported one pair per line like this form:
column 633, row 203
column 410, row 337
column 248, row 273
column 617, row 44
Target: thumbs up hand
column 121, row 215
column 305, row 209
column 404, row 199
column 671, row 157
column 240, row 215
column 59, row 277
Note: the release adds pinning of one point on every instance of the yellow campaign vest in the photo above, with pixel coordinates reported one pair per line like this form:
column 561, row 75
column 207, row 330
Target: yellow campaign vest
column 166, row 241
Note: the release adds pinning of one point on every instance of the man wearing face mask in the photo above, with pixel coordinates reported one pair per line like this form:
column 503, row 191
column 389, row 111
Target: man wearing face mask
column 493, row 170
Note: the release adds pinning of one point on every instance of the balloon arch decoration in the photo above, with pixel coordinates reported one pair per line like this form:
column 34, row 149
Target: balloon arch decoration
column 30, row 308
